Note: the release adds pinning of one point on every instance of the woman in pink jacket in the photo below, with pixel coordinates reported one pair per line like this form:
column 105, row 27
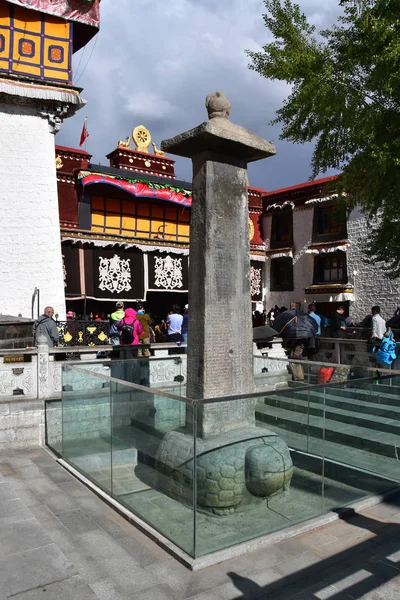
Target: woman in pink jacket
column 130, row 328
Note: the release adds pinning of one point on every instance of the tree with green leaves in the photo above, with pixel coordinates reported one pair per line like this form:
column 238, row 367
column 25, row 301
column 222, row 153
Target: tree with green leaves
column 346, row 97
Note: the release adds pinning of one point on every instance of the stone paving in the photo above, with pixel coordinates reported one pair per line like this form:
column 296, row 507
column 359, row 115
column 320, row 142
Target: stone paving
column 58, row 541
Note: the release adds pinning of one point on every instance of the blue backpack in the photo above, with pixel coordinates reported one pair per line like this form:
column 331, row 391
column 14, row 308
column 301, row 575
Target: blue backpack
column 387, row 350
column 325, row 321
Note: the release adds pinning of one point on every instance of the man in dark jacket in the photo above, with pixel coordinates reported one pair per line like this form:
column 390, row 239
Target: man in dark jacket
column 45, row 325
column 338, row 324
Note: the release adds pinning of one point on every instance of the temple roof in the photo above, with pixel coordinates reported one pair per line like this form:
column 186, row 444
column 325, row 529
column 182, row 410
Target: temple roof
column 130, row 175
column 305, row 188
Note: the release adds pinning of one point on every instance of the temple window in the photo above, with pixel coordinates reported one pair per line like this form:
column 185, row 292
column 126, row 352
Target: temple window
column 330, row 268
column 327, row 221
column 134, row 218
column 281, row 274
column 282, row 230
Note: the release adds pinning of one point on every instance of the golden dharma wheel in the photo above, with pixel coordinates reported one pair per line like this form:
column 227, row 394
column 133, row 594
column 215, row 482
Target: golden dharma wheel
column 251, row 229
column 142, row 138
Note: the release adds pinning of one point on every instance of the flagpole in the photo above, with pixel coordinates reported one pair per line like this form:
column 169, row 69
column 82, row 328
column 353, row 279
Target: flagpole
column 86, row 131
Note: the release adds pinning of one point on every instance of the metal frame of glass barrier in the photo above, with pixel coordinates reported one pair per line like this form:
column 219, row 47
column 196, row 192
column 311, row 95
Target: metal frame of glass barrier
column 329, row 482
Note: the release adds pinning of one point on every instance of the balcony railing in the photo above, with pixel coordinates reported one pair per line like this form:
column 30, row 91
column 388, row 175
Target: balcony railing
column 83, row 333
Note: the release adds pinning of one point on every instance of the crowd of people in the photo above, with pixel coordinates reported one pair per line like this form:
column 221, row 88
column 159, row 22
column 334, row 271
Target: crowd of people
column 379, row 335
column 128, row 327
column 138, row 328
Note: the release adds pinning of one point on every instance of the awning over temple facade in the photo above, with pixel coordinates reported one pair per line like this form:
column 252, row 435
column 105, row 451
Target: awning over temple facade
column 141, row 189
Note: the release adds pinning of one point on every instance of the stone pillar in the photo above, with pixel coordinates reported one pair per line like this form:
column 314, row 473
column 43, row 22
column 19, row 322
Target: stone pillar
column 235, row 461
column 43, row 370
column 220, row 352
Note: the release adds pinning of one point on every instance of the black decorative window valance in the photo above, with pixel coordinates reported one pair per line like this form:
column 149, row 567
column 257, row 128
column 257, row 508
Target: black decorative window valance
column 114, row 273
column 256, row 287
column 167, row 272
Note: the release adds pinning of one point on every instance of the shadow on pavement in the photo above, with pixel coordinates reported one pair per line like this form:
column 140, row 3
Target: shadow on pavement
column 349, row 574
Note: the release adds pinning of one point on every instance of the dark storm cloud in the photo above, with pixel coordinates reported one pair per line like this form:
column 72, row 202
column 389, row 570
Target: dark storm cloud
column 153, row 63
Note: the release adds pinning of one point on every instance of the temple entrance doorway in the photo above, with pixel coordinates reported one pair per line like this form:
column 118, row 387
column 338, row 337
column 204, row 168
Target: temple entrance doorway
column 160, row 303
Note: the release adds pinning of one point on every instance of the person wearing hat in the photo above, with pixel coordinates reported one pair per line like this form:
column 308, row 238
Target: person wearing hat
column 144, row 338
column 115, row 320
column 185, row 323
column 72, row 326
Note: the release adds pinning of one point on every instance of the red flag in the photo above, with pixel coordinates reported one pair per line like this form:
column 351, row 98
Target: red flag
column 84, row 134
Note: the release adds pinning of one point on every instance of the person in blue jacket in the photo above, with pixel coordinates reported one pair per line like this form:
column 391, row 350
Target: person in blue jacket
column 386, row 353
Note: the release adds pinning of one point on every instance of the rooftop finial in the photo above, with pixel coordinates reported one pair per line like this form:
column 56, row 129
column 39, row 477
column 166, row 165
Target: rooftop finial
column 218, row 105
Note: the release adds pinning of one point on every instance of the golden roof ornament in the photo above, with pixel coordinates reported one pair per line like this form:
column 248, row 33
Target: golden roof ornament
column 142, row 138
column 157, row 151
column 125, row 143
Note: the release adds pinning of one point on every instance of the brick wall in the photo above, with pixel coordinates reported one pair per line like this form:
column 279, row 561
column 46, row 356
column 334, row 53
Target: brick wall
column 371, row 285
column 30, row 250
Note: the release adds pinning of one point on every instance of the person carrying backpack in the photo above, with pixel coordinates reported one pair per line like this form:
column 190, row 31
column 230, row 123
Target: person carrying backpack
column 115, row 320
column 387, row 350
column 130, row 329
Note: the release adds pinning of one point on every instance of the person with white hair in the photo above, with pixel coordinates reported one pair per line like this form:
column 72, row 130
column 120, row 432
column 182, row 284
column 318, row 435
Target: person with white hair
column 46, row 326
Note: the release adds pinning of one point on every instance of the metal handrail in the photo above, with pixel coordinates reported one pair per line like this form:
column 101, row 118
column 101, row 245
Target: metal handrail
column 249, row 395
column 331, row 365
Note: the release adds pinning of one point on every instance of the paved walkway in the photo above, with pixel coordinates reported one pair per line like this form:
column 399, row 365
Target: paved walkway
column 58, row 541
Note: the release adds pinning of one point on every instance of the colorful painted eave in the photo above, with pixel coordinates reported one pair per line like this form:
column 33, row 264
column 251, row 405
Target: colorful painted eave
column 81, row 11
column 139, row 188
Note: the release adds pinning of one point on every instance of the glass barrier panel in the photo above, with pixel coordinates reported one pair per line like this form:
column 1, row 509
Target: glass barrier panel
column 306, row 447
column 152, row 460
column 86, row 422
column 167, row 372
column 256, row 479
column 364, row 429
column 53, row 425
column 236, row 497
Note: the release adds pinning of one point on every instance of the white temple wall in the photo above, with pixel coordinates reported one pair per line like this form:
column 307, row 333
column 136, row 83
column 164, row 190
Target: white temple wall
column 302, row 263
column 370, row 284
column 30, row 249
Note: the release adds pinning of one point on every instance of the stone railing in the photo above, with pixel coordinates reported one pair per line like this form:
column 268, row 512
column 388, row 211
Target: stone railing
column 31, row 379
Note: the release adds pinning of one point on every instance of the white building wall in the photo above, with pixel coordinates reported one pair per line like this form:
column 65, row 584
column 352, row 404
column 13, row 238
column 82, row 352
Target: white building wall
column 370, row 284
column 30, row 249
column 302, row 263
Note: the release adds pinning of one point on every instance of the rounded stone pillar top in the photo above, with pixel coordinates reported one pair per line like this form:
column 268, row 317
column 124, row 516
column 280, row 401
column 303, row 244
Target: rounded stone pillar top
column 220, row 136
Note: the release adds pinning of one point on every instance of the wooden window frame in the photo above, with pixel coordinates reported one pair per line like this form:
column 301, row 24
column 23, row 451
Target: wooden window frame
column 277, row 239
column 275, row 284
column 155, row 213
column 323, row 264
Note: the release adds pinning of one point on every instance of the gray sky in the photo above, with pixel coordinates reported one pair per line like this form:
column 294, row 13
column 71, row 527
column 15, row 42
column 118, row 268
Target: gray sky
column 154, row 62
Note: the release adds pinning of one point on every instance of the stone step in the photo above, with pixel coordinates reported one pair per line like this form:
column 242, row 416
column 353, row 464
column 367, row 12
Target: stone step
column 378, row 442
column 360, row 407
column 315, row 406
column 389, row 395
column 355, row 457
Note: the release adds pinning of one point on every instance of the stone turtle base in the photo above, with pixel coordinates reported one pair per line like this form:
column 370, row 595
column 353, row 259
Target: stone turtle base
column 233, row 469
